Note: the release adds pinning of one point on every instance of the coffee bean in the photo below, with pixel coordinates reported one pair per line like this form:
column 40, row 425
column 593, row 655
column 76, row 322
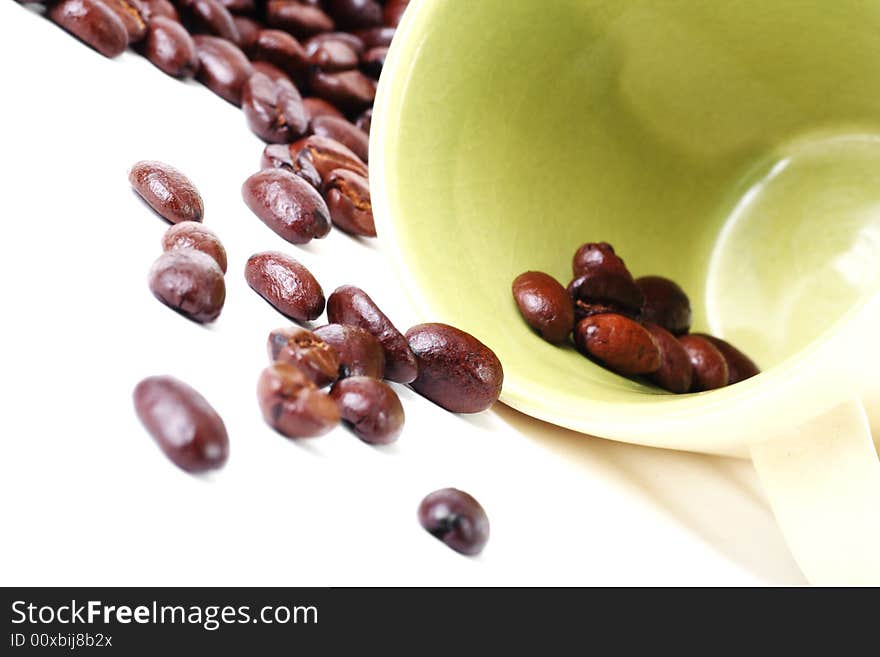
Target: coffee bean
column 189, row 282
column 317, row 359
column 545, row 305
column 170, row 48
column 710, row 367
column 365, row 120
column 190, row 235
column 286, row 284
column 352, row 306
column 182, row 422
column 224, row 67
column 287, row 204
column 278, row 156
column 282, row 50
column 348, row 199
column 248, row 33
column 372, row 62
column 292, row 405
column 355, row 14
column 331, row 55
column 210, row 17
column 584, row 309
column 239, row 6
column 676, row 372
column 360, row 354
column 315, row 108
column 610, row 288
column 272, row 72
column 345, row 132
column 740, row 367
column 301, row 20
column 376, row 37
column 665, row 304
column 394, row 11
column 131, row 14
column 327, row 154
column 274, row 110
column 352, row 41
column 619, row 343
column 456, row 371
column 350, row 91
column 155, row 8
column 92, row 22
column 457, row 519
column 370, row 408
column 598, row 257
column 167, row 191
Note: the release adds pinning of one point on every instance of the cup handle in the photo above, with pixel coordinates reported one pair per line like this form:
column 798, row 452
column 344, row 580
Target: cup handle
column 823, row 482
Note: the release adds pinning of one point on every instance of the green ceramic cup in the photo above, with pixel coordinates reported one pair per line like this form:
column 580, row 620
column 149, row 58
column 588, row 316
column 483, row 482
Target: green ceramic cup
column 731, row 146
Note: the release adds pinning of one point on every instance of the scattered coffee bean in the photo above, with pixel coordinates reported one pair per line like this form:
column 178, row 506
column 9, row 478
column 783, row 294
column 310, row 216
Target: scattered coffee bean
column 286, row 284
column 131, row 14
column 710, row 366
column 191, row 235
column 740, row 367
column 373, row 61
column 287, row 204
column 455, row 370
column 182, row 422
column 92, row 22
column 300, row 20
column 376, row 37
column 665, row 303
column 598, row 256
column 170, row 48
column 279, row 156
column 370, row 408
column 274, row 110
column 619, row 343
column 345, row 132
column 326, row 155
column 167, row 191
column 394, row 11
column 282, row 50
column 224, row 68
column 676, row 372
column 607, row 287
column 210, row 17
column 350, row 91
column 360, row 353
column 348, row 199
column 292, row 405
column 315, row 107
column 189, row 282
column 545, row 305
column 317, row 359
column 331, row 55
column 457, row 519
column 154, row 8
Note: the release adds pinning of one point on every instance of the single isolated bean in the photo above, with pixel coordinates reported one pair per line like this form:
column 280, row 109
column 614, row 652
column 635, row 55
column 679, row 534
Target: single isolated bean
column 394, row 11
column 352, row 306
column 287, row 204
column 331, row 55
column 131, row 13
column 92, row 22
column 317, row 359
column 210, row 17
column 182, row 422
column 350, row 91
column 279, row 156
column 456, row 371
column 370, row 408
column 365, row 120
column 327, row 154
column 598, row 256
column 248, row 33
column 301, row 20
column 170, row 48
column 189, row 282
column 665, row 304
column 710, row 366
column 155, row 8
column 360, row 353
column 373, row 61
column 607, row 287
column 676, row 372
column 223, row 67
column 740, row 367
column 191, row 235
column 286, row 284
column 619, row 343
column 348, row 199
column 292, row 405
column 165, row 189
column 282, row 50
column 457, row 519
column 274, row 110
column 355, row 14
column 315, row 107
column 376, row 37
column 545, row 305
column 345, row 132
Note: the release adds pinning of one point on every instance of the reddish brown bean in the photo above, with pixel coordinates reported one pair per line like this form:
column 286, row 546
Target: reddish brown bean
column 370, row 408
column 676, row 372
column 710, row 367
column 284, row 51
column 584, row 309
column 287, row 204
column 355, row 14
column 326, row 155
column 279, row 156
column 271, row 71
column 307, row 350
column 170, row 48
column 223, row 67
column 170, row 193
column 301, row 20
column 315, row 107
column 598, row 256
column 286, row 284
column 92, row 22
column 154, row 8
column 210, row 17
column 239, row 6
column 348, row 199
column 292, row 405
column 189, row 282
column 360, row 354
column 352, row 41
column 191, row 235
column 376, row 37
column 740, row 367
column 350, row 91
column 455, row 518
column 619, row 343
column 131, row 13
column 393, row 12
column 373, row 61
column 545, row 305
column 273, row 110
column 609, row 288
column 365, row 120
column 665, row 304
column 332, row 55
column 345, row 132
column 248, row 32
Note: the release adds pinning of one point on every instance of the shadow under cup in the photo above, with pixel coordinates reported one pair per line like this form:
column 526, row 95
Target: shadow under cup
column 732, row 147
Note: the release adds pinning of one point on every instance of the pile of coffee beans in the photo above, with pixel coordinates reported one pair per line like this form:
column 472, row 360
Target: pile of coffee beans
column 635, row 327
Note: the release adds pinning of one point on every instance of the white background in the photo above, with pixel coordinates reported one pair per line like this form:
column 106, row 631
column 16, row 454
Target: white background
column 88, row 499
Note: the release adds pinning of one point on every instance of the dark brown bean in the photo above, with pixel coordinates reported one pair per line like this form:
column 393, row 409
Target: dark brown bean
column 239, row 6
column 282, row 50
column 224, row 68
column 584, row 309
column 676, row 372
column 292, row 405
column 370, row 408
column 352, row 306
column 182, row 422
column 191, row 235
column 365, row 120
column 352, row 41
column 327, row 154
column 456, row 371
column 272, row 72
column 279, row 156
column 345, row 132
column 131, row 13
column 170, row 48
column 189, row 282
column 332, row 55
column 454, row 517
column 301, row 20
column 394, row 11
column 317, row 359
column 316, row 107
column 619, row 343
column 274, row 110
column 350, row 91
column 154, row 8
column 286, row 284
column 608, row 288
column 376, row 37
column 360, row 353
column 348, row 199
column 167, row 191
column 710, row 367
column 740, row 367
column 665, row 304
column 373, row 60
column 287, row 204
column 545, row 305
column 355, row 14
column 92, row 22
column 210, row 17
column 248, row 32
column 598, row 256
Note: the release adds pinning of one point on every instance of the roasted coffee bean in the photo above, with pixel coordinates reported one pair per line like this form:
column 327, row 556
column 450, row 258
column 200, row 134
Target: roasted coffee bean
column 272, row 72
column 182, row 422
column 282, row 50
column 191, row 235
column 287, row 204
column 345, row 132
column 665, row 304
column 167, row 191
column 239, row 6
column 210, row 17
column 740, row 367
column 394, row 11
column 352, row 41
column 360, row 353
column 456, row 371
column 286, row 284
column 224, row 68
column 545, row 305
column 292, row 405
column 370, row 408
column 376, row 37
column 327, row 154
column 301, row 20
column 365, row 120
column 710, row 366
column 170, row 48
column 352, row 306
column 316, row 107
column 274, row 110
column 619, row 343
column 373, row 60
column 584, row 309
column 131, row 13
column 676, row 372
column 298, row 346
column 610, row 288
column 92, row 22
column 155, row 8
column 598, row 257
column 189, row 282
column 350, row 91
column 355, row 14
column 348, row 199
column 457, row 519
column 278, row 156
column 331, row 55
column 248, row 32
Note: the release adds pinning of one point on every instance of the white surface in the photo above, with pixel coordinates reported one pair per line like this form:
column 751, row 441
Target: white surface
column 87, row 498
